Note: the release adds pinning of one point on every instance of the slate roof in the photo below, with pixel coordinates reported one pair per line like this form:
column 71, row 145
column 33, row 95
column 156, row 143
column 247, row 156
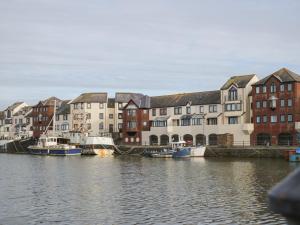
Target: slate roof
column 143, row 102
column 64, row 108
column 23, row 111
column 96, row 97
column 284, row 75
column 50, row 101
column 125, row 97
column 111, row 103
column 195, row 98
column 238, row 81
column 15, row 105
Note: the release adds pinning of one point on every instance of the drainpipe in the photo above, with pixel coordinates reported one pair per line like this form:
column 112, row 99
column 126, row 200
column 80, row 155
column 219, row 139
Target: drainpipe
column 284, row 198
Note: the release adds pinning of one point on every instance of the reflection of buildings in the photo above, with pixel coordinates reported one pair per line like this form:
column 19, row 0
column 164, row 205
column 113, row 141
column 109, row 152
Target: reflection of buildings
column 276, row 109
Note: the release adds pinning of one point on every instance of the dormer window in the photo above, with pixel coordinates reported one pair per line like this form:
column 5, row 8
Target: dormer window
column 273, row 88
column 232, row 94
column 273, row 101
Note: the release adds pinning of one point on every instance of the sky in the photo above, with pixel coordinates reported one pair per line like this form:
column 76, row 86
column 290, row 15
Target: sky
column 64, row 48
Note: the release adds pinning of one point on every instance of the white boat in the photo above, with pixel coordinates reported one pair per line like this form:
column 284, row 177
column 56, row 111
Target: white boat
column 198, row 151
column 93, row 145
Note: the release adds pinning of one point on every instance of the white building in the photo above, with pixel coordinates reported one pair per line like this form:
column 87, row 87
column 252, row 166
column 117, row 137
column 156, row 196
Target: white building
column 63, row 119
column 22, row 123
column 7, row 130
column 200, row 117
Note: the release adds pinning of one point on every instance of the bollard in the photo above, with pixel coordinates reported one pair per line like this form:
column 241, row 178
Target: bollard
column 284, row 198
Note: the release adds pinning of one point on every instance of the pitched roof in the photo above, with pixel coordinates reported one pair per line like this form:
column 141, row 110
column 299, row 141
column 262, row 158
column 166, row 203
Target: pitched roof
column 15, row 105
column 195, row 98
column 143, row 102
column 64, row 108
column 97, row 97
column 125, row 97
column 49, row 101
column 238, row 81
column 284, row 75
column 23, row 111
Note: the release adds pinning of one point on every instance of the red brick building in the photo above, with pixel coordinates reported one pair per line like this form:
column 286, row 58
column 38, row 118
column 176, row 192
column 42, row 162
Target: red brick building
column 42, row 115
column 276, row 109
column 135, row 120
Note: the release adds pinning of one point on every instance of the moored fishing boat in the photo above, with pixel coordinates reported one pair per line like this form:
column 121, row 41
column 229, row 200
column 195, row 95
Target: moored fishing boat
column 180, row 150
column 97, row 145
column 166, row 153
column 49, row 146
column 295, row 157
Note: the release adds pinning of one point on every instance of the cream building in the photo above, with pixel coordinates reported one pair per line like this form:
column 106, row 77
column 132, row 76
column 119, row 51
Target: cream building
column 200, row 117
column 88, row 113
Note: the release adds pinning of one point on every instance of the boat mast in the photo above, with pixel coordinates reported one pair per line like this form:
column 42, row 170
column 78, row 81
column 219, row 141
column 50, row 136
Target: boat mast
column 54, row 117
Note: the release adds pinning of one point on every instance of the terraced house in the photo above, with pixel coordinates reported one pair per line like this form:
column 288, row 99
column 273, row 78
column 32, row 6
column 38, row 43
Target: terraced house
column 203, row 117
column 22, row 123
column 63, row 119
column 276, row 109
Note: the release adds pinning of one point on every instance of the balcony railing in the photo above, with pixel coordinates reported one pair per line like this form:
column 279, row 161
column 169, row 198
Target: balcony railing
column 232, row 98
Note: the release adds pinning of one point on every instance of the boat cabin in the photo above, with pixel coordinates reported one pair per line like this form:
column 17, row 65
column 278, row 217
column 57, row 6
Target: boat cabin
column 178, row 144
column 47, row 141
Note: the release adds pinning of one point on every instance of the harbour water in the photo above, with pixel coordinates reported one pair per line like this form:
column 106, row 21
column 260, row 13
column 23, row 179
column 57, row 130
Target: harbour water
column 135, row 190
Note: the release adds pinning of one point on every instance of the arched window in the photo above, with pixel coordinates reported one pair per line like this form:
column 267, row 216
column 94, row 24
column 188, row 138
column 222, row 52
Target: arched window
column 232, row 94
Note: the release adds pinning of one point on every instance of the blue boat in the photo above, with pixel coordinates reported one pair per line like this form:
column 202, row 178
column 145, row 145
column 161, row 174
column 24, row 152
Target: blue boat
column 295, row 157
column 49, row 146
column 180, row 151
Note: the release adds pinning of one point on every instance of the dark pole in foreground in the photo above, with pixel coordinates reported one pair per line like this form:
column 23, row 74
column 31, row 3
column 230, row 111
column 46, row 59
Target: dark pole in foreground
column 284, row 198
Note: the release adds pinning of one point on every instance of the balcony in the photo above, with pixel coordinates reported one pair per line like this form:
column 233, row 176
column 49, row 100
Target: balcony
column 248, row 128
column 8, row 121
column 233, row 99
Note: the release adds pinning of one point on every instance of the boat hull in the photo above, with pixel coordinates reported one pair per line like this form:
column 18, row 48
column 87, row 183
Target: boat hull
column 294, row 158
column 182, row 153
column 55, row 152
column 198, row 151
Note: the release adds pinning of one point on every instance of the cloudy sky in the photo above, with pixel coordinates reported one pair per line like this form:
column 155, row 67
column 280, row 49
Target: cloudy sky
column 66, row 47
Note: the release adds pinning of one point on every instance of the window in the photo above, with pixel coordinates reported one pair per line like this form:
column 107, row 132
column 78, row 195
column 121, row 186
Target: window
column 120, row 125
column 201, row 109
column 75, row 106
column 101, row 106
column 273, row 88
column 274, row 119
column 57, row 117
column 282, row 87
column 163, row 111
column 65, row 117
column 232, row 94
column 233, row 107
column 196, row 121
column 290, row 118
column 212, row 121
column 120, row 115
column 265, row 119
column 82, row 105
column 101, row 126
column 111, row 116
column 264, row 104
column 289, row 87
column 88, row 105
column 258, row 119
column 264, row 89
column 89, row 126
column 100, row 116
column 290, row 103
column 159, row 123
column 258, row 104
column 131, row 124
column 131, row 112
column 282, row 118
column 177, row 110
column 213, row 108
column 233, row 120
column 257, row 89
column 282, row 103
column 153, row 112
column 185, row 122
column 120, row 105
column 145, row 123
column 145, row 111
column 88, row 116
column 188, row 110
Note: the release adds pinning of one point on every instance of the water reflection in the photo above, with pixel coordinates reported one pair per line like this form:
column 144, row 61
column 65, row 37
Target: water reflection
column 135, row 190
